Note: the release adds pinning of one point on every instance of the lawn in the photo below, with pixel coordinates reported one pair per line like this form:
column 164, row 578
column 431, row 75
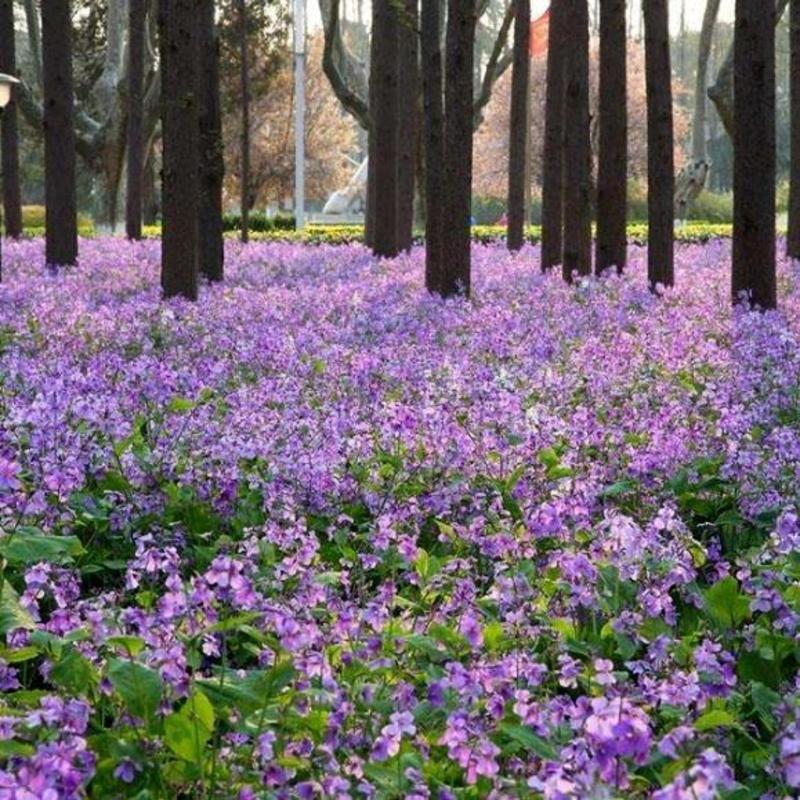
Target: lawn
column 322, row 535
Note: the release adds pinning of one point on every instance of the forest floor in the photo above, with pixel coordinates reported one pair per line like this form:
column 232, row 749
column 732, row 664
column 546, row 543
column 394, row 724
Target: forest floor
column 322, row 535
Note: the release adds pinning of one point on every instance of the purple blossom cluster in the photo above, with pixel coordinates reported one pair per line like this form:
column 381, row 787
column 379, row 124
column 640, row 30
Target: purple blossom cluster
column 321, row 535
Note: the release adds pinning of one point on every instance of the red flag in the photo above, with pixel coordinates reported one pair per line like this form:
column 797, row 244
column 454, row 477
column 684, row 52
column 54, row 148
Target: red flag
column 540, row 31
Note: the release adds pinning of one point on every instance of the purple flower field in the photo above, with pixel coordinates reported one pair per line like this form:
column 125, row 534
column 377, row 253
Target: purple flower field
column 322, row 535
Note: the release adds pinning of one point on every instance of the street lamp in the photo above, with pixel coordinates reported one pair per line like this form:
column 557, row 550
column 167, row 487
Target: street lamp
column 6, row 84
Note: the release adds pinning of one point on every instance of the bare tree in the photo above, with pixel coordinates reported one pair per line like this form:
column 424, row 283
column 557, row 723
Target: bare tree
column 519, row 128
column 612, row 161
column 179, row 123
column 61, row 211
column 553, row 156
column 408, row 123
column 793, row 234
column 136, row 38
column 12, row 202
column 577, row 147
column 660, row 146
column 753, row 272
column 433, row 90
column 211, row 252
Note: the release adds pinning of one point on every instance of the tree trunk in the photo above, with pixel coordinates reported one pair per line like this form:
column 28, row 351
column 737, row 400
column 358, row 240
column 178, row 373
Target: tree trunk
column 754, row 154
column 61, row 214
column 408, row 124
column 612, row 160
column 701, row 81
column 519, row 129
column 660, row 147
column 245, row 146
column 433, row 89
column 133, row 204
column 458, row 113
column 384, row 73
column 12, row 201
column 369, row 215
column 553, row 156
column 211, row 253
column 179, row 124
column 149, row 191
column 793, row 235
column 577, row 147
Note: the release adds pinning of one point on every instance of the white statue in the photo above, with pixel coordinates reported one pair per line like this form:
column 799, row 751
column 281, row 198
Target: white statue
column 342, row 201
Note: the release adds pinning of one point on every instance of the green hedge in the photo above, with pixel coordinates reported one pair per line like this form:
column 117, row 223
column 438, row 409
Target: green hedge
column 33, row 222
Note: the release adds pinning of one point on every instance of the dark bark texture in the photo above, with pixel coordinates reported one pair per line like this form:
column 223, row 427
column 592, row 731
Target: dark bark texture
column 433, row 90
column 458, row 110
column 244, row 78
column 519, row 134
column 793, row 235
column 385, row 115
column 179, row 124
column 61, row 214
column 9, row 143
column 408, row 123
column 577, row 147
column 660, row 146
column 753, row 271
column 553, row 156
column 612, row 161
column 212, row 166
column 133, row 200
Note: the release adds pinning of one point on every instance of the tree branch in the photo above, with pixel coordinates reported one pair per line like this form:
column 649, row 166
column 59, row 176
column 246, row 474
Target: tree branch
column 499, row 61
column 34, row 40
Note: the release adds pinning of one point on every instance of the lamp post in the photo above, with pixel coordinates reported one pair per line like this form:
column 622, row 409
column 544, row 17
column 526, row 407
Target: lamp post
column 6, row 84
column 300, row 113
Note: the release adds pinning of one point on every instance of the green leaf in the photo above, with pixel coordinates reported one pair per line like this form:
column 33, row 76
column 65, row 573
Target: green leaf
column 28, row 546
column 528, row 739
column 133, row 645
column 138, row 686
column 12, row 614
column 73, row 672
column 716, row 718
column 188, row 731
column 726, row 604
column 180, row 405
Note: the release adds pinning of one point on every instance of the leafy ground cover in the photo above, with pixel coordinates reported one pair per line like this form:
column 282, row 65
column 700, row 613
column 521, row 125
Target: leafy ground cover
column 320, row 535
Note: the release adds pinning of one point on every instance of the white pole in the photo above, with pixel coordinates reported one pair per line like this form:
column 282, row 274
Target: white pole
column 300, row 114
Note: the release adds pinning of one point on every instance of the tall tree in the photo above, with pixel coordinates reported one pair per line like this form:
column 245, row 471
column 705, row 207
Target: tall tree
column 136, row 39
column 456, row 241
column 793, row 235
column 9, row 143
column 212, row 165
column 753, row 270
column 408, row 123
column 577, row 147
column 612, row 161
column 519, row 128
column 61, row 213
column 701, row 81
column 244, row 66
column 553, row 157
column 384, row 129
column 660, row 146
column 433, row 90
column 179, row 124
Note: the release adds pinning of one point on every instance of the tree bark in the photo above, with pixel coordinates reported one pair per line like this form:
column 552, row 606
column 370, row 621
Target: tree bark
column 660, row 146
column 612, row 160
column 408, row 124
column 701, row 81
column 519, row 133
column 793, row 235
column 133, row 204
column 433, row 89
column 179, row 123
column 212, row 166
column 456, row 239
column 753, row 273
column 12, row 200
column 245, row 142
column 577, row 148
column 61, row 213
column 385, row 115
column 553, row 156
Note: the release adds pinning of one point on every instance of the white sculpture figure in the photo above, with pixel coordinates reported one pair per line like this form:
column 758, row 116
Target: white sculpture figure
column 342, row 201
column 689, row 184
